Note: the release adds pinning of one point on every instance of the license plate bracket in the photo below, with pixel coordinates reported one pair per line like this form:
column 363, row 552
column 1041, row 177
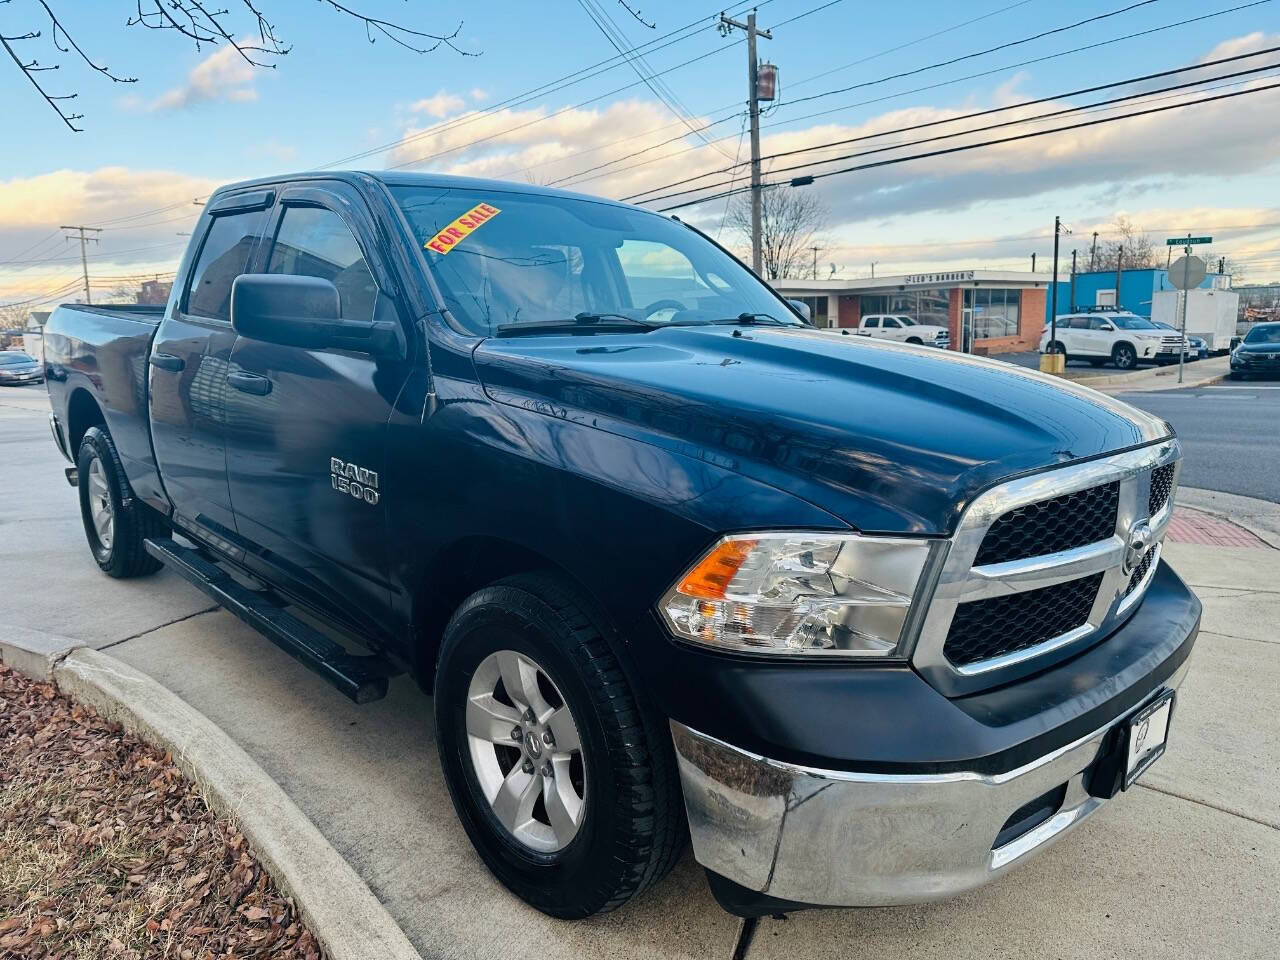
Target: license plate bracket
column 1145, row 736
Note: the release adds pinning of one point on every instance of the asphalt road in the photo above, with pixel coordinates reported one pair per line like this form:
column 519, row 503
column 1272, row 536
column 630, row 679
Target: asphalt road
column 1230, row 434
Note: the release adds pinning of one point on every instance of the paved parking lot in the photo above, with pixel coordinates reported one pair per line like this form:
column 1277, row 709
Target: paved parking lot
column 1186, row 866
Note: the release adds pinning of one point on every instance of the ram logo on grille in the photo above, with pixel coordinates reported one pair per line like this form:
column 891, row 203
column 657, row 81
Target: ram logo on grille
column 1140, row 540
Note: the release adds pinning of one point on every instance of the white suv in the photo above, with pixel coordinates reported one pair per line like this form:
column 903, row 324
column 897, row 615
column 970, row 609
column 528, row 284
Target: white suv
column 1124, row 339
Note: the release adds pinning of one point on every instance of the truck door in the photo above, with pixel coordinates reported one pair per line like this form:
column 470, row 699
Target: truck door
column 306, row 429
column 188, row 363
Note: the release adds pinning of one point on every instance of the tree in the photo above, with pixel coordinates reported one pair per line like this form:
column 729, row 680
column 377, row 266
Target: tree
column 203, row 24
column 790, row 224
column 1131, row 242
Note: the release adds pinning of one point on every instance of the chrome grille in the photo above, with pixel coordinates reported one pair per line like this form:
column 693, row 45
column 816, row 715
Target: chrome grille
column 1050, row 526
column 1161, row 487
column 1042, row 566
column 999, row 626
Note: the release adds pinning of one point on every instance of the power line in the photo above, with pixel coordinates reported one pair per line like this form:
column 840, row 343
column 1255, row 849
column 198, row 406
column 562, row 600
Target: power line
column 637, row 63
column 973, row 76
column 552, row 86
column 576, row 106
column 735, row 106
column 979, row 53
column 1015, row 106
column 975, row 146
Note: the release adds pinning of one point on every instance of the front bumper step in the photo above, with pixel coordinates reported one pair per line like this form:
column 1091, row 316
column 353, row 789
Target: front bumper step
column 362, row 678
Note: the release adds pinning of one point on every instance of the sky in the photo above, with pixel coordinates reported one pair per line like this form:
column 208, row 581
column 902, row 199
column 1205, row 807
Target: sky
column 493, row 102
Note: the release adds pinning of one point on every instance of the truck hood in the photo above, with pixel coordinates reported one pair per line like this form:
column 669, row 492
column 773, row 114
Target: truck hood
column 886, row 436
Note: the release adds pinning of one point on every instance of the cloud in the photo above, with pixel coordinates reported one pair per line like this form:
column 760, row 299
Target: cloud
column 222, row 76
column 32, row 207
column 439, row 105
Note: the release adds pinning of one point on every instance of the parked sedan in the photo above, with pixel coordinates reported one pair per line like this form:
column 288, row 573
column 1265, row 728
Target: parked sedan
column 1258, row 353
column 17, row 367
column 1199, row 346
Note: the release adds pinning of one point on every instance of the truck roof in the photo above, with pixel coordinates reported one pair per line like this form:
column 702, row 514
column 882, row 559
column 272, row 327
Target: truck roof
column 406, row 178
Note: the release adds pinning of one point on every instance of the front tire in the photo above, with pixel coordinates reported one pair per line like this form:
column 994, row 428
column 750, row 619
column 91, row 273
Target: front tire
column 1124, row 356
column 115, row 522
column 583, row 811
column 916, row 340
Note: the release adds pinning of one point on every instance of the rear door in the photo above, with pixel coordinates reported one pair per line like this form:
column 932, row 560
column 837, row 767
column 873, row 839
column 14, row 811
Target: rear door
column 306, row 429
column 188, row 363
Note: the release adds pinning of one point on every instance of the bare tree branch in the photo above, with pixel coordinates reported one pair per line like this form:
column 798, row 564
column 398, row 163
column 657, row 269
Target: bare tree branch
column 397, row 33
column 790, row 222
column 59, row 28
column 206, row 25
column 636, row 13
column 30, row 70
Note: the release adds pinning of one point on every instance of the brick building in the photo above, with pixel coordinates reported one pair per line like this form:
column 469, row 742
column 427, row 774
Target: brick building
column 990, row 311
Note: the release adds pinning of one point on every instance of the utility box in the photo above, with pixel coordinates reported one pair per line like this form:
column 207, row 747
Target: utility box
column 766, row 82
column 1211, row 314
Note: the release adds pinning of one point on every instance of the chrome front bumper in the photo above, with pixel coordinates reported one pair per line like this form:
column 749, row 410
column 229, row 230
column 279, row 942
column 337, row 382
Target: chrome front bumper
column 838, row 838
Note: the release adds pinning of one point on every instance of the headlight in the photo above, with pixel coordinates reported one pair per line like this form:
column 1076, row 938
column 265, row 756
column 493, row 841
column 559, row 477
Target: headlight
column 801, row 593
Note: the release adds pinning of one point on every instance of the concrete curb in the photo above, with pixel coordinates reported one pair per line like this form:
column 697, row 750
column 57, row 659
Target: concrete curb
column 1259, row 517
column 338, row 906
column 1199, row 374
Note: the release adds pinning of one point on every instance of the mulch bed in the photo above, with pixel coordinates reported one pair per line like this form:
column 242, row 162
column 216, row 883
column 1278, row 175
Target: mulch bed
column 106, row 850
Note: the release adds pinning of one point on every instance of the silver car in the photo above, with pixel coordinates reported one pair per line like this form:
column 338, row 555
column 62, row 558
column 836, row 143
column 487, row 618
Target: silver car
column 17, row 367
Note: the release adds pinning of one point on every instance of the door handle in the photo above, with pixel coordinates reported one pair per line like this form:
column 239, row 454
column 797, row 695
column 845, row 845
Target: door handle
column 250, row 383
column 167, row 361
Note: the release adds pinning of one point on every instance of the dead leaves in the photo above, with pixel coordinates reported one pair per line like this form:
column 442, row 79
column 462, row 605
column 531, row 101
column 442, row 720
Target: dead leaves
column 107, row 850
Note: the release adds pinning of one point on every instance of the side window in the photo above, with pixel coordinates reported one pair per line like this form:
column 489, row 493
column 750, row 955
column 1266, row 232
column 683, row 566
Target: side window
column 1098, row 323
column 871, row 323
column 892, row 324
column 1079, row 323
column 223, row 257
column 314, row 242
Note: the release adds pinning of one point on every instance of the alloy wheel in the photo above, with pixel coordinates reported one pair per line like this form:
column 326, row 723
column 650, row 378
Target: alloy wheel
column 100, row 509
column 526, row 751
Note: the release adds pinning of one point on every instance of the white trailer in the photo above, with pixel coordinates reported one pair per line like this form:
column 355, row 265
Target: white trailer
column 1211, row 315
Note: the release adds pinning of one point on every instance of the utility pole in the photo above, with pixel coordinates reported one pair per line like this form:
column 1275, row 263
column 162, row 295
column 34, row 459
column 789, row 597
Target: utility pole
column 1053, row 284
column 815, row 262
column 726, row 25
column 1119, row 266
column 1093, row 253
column 1033, row 263
column 84, row 259
column 1073, row 281
column 873, row 268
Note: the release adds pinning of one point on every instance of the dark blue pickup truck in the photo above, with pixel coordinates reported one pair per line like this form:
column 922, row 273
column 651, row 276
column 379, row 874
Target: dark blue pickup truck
column 869, row 623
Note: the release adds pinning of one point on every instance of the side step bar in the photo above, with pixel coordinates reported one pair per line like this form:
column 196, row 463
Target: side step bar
column 362, row 678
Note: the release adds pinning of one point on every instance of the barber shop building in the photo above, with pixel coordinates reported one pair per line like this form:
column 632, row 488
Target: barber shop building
column 987, row 311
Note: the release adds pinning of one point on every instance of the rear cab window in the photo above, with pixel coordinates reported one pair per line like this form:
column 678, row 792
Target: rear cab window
column 224, row 254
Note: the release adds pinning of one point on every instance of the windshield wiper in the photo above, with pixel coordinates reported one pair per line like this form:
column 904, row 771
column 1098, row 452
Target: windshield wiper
column 582, row 323
column 749, row 319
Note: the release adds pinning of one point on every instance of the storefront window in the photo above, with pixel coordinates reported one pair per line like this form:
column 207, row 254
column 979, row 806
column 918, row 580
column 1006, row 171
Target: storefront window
column 929, row 305
column 996, row 313
column 817, row 310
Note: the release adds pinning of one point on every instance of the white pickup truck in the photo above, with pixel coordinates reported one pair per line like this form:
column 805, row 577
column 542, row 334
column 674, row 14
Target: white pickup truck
column 1124, row 339
column 893, row 326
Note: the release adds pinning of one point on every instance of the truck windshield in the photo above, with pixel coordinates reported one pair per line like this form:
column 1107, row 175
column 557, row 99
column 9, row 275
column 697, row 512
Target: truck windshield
column 503, row 258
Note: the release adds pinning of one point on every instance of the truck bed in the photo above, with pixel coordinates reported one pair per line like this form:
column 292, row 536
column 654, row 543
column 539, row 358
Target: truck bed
column 99, row 354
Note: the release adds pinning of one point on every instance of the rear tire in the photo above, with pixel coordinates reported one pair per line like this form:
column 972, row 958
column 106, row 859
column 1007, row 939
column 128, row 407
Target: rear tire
column 1124, row 356
column 629, row 829
column 115, row 522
